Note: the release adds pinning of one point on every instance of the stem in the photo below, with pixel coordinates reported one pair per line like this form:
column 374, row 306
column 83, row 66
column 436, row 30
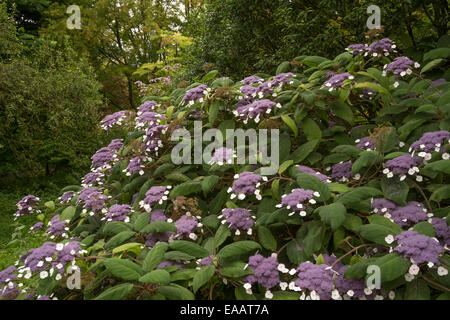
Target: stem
column 435, row 284
column 423, row 195
column 355, row 249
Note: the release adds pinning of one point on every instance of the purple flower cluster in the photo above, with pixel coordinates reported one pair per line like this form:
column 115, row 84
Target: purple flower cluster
column 222, row 156
column 401, row 66
column 118, row 212
column 296, row 200
column 246, row 183
column 136, row 165
column 265, row 273
column 365, row 143
column 156, row 194
column 186, row 226
column 342, row 171
column 153, row 138
column 252, row 79
column 381, row 47
column 148, row 118
column 442, row 230
column 93, row 178
column 249, row 91
column 26, row 205
column 336, row 81
column 94, row 200
column 318, row 279
column 114, row 119
column 358, row 48
column 317, row 174
column 281, row 79
column 197, row 93
column 429, row 142
column 57, row 228
column 412, row 213
column 147, row 106
column 7, row 286
column 418, row 248
column 115, row 145
column 403, row 165
column 37, row 226
column 255, row 110
column 67, row 196
column 238, row 219
column 346, row 288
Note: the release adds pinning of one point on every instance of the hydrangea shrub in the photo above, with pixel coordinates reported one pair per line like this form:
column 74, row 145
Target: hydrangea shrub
column 362, row 183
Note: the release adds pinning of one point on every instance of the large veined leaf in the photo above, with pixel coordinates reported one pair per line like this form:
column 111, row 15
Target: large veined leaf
column 333, row 214
column 124, row 269
column 159, row 226
column 155, row 256
column 290, row 123
column 266, row 238
column 156, row 276
column 203, row 276
column 189, row 247
column 311, row 129
column 304, row 150
column 237, row 248
column 395, row 190
column 118, row 292
column 119, row 239
column 176, row 292
column 310, row 182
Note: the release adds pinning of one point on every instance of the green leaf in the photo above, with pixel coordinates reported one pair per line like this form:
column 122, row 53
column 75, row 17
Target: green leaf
column 373, row 86
column 440, row 166
column 425, row 228
column 142, row 220
column 132, row 246
column 365, row 160
column 210, row 75
column 176, row 292
column 119, row 239
column 283, row 67
column 50, row 205
column 417, row 290
column 236, row 269
column 124, row 269
column 310, row 182
column 237, row 248
column 241, row 294
column 115, row 227
column 290, row 123
column 285, row 165
column 67, row 214
column 276, row 189
column 311, row 130
column 392, row 266
column 441, row 193
column 183, row 275
column 202, row 276
column 395, row 190
column 358, row 194
column 266, row 238
column 186, row 188
column 159, row 226
column 383, row 221
column 189, row 247
column 338, row 187
column 333, row 214
column 214, row 110
column 439, row 53
column 221, row 235
column 155, row 256
column 343, row 111
column 304, row 150
column 375, row 232
column 118, row 292
column 178, row 255
column 208, row 183
column 352, row 222
column 156, row 276
column 352, row 151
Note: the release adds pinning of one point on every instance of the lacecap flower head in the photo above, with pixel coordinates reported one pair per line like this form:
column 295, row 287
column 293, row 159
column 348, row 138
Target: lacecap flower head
column 402, row 166
column 297, row 200
column 238, row 219
column 265, row 273
column 154, row 195
column 246, row 184
column 223, row 156
column 431, row 142
column 26, row 205
column 317, row 174
column 196, row 94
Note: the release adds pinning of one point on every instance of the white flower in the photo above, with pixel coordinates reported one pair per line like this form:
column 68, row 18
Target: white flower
column 269, row 295
column 414, row 269
column 43, row 274
column 389, row 239
column 442, row 271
